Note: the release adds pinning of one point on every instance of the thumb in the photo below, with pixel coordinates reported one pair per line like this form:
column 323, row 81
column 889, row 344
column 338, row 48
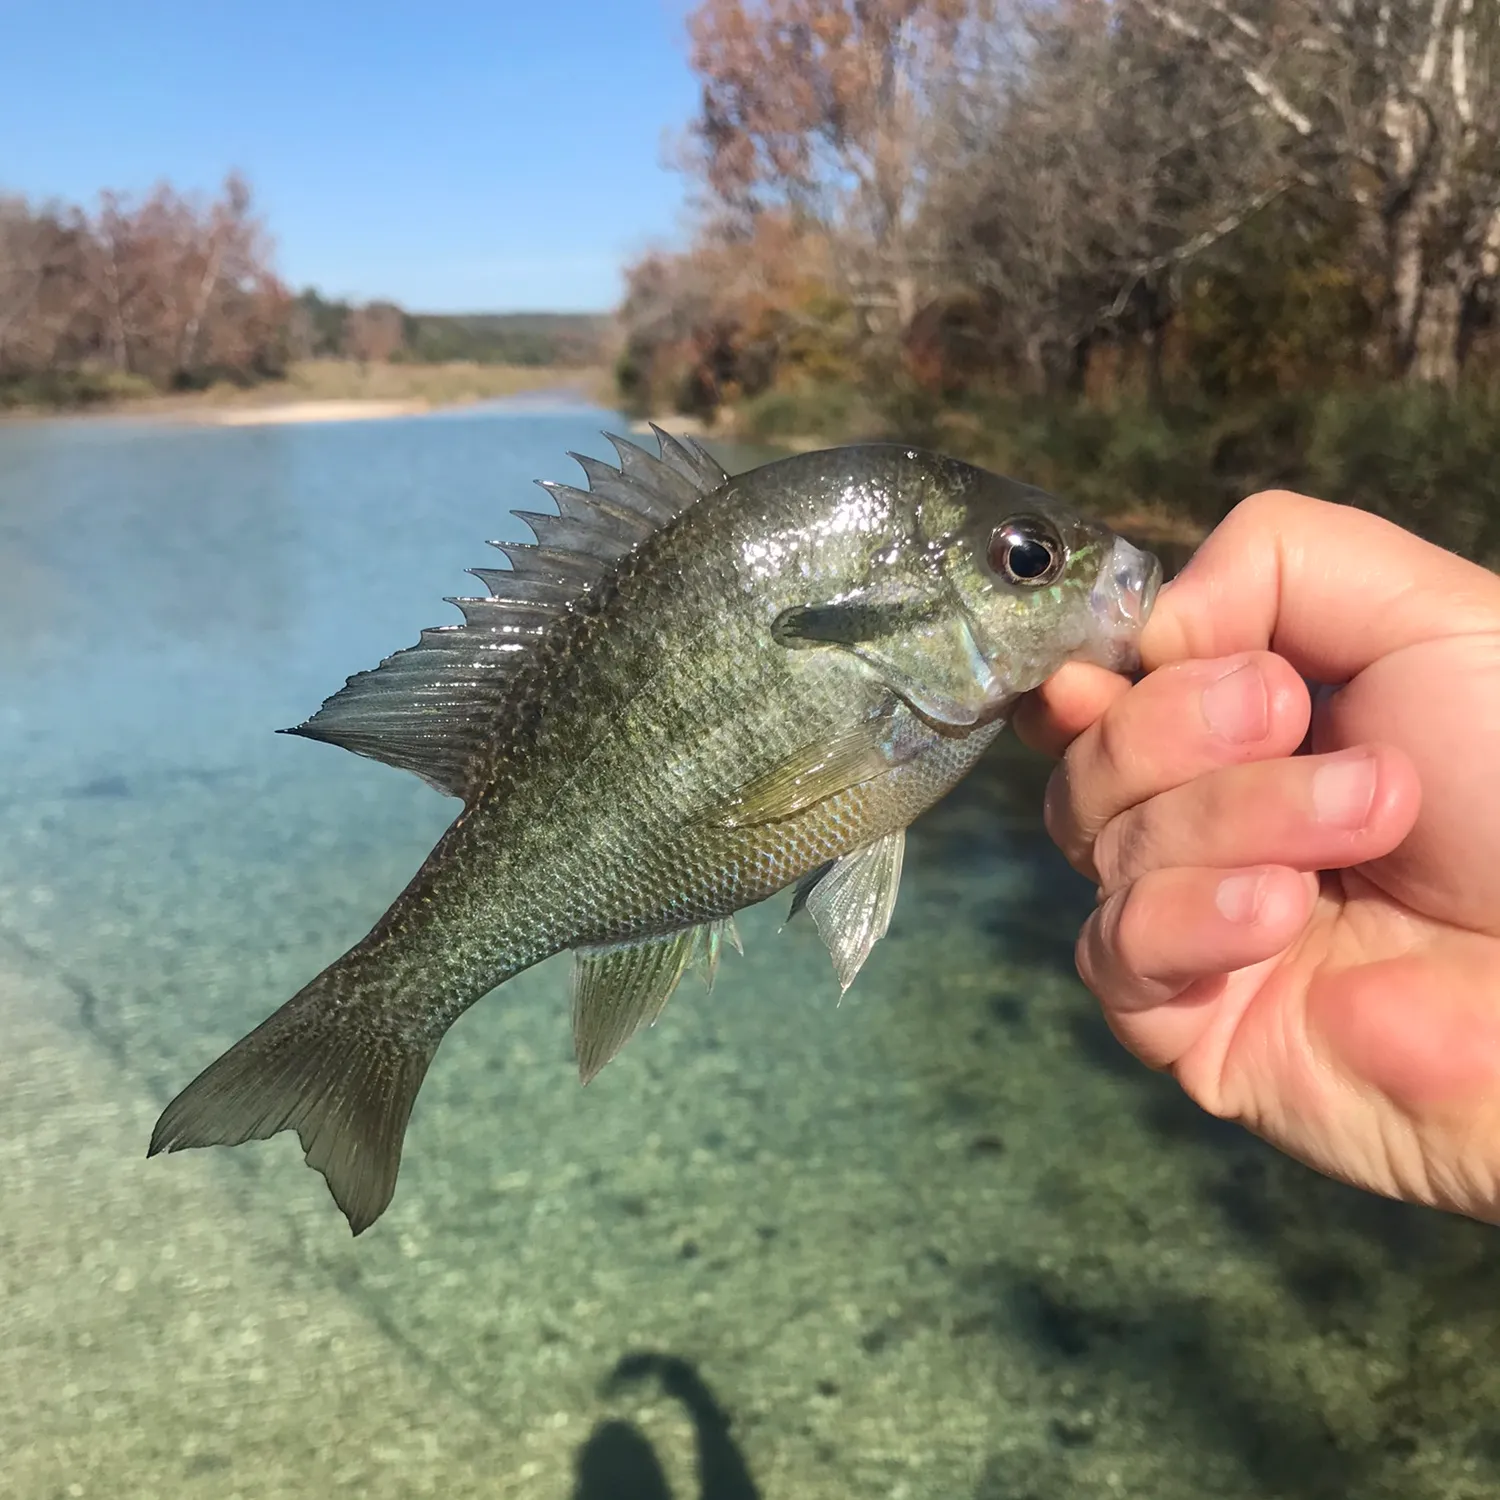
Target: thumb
column 1329, row 588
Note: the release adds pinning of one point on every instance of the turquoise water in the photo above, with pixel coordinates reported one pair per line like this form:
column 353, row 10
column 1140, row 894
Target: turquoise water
column 942, row 1240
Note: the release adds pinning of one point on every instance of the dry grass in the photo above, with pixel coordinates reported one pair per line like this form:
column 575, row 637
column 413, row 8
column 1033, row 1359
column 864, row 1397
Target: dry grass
column 437, row 385
column 413, row 387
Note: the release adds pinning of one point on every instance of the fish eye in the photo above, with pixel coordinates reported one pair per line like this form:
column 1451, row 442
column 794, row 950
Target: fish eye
column 1026, row 550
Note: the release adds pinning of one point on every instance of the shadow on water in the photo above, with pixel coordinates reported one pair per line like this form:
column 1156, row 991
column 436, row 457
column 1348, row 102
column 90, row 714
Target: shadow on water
column 993, row 819
column 619, row 1463
column 1199, row 1372
column 1177, row 1356
column 1398, row 1298
column 1391, row 1283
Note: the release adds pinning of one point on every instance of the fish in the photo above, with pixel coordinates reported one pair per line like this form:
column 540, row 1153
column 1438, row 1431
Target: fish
column 689, row 693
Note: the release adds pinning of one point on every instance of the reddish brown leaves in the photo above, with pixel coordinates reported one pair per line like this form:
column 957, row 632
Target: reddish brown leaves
column 171, row 288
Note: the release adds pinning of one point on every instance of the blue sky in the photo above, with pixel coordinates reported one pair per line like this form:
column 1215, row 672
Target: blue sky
column 453, row 156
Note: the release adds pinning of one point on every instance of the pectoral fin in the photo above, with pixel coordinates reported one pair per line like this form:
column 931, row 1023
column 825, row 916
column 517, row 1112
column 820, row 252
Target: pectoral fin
column 813, row 774
column 868, row 614
column 853, row 901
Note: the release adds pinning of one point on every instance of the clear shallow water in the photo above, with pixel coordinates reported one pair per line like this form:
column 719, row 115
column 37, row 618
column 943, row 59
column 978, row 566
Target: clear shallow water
column 944, row 1240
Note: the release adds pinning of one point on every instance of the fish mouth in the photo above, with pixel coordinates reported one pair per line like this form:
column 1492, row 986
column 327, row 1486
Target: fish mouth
column 1121, row 602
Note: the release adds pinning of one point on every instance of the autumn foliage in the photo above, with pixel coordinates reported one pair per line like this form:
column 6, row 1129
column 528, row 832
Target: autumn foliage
column 176, row 292
column 728, row 318
column 1095, row 198
column 171, row 290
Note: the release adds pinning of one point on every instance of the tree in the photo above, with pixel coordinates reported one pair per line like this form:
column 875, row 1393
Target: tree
column 728, row 317
column 1071, row 192
column 116, row 267
column 1393, row 106
column 823, row 108
column 41, row 291
column 172, row 288
column 374, row 332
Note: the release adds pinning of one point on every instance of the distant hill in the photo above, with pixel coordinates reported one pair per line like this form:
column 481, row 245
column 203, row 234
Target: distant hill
column 536, row 338
column 382, row 330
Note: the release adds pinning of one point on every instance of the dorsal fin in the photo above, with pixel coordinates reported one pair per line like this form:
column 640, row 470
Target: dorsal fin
column 429, row 709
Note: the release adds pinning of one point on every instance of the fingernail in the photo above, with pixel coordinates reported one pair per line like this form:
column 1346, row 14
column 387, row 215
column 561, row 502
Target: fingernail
column 1238, row 896
column 1343, row 790
column 1236, row 707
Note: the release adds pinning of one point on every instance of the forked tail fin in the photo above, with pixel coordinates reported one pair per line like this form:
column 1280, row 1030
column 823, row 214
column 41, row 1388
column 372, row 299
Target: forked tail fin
column 327, row 1069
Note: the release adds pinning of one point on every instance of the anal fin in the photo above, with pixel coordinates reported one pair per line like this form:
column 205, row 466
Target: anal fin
column 619, row 987
column 712, row 936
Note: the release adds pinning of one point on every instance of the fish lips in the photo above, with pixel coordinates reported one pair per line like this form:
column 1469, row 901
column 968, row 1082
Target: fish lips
column 1121, row 602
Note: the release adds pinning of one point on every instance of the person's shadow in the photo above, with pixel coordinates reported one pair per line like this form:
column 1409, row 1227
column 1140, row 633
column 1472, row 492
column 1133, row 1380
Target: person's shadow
column 619, row 1463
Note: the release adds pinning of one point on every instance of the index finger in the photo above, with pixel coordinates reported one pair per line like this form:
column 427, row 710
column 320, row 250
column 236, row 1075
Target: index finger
column 1051, row 717
column 1329, row 588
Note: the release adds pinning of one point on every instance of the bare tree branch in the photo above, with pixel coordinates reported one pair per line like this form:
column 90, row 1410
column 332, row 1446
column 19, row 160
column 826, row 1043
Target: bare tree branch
column 1205, row 239
column 1264, row 88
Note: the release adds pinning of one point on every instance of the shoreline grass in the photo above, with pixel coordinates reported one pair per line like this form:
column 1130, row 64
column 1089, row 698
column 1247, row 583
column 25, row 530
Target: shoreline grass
column 344, row 384
column 1169, row 471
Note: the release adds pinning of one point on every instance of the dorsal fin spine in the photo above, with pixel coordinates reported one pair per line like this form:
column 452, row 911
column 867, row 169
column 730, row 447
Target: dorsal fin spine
column 431, row 708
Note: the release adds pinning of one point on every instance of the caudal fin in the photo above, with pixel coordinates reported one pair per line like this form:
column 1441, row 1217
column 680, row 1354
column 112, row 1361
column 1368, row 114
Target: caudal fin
column 320, row 1069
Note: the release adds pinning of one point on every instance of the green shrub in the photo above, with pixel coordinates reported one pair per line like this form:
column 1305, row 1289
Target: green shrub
column 1425, row 458
column 70, row 389
column 1103, row 460
column 1422, row 457
column 834, row 412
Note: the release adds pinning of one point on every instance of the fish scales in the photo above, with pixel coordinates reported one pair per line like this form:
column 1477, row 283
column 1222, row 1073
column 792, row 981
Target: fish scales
column 605, row 836
column 763, row 688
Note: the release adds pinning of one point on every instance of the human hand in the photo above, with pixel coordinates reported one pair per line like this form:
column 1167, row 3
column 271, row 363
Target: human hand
column 1310, row 942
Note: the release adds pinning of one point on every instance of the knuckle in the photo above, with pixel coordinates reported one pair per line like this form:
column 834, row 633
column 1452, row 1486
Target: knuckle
column 1055, row 803
column 1117, row 952
column 1124, row 849
column 1060, row 819
column 1128, row 932
column 1107, row 849
column 1269, row 510
column 1087, row 955
column 1115, row 748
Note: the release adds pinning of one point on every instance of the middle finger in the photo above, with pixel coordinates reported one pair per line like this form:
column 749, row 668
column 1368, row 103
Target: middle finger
column 1308, row 813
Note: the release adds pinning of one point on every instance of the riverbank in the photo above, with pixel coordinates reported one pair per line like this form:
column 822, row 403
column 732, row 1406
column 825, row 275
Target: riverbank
column 1173, row 535
column 1169, row 471
column 330, row 390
